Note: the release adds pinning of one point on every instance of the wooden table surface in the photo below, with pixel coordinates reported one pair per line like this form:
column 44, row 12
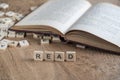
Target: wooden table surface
column 17, row 63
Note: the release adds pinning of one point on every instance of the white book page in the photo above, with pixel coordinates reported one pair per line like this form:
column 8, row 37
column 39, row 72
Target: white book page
column 102, row 20
column 60, row 14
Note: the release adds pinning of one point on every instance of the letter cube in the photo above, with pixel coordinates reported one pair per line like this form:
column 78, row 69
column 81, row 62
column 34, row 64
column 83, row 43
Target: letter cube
column 24, row 43
column 13, row 44
column 11, row 34
column 1, row 13
column 59, row 56
column 44, row 41
column 37, row 36
column 6, row 41
column 38, row 55
column 70, row 56
column 47, row 37
column 7, row 20
column 3, row 46
column 55, row 39
column 18, row 16
column 4, row 5
column 49, row 56
column 1, row 36
column 10, row 14
column 20, row 34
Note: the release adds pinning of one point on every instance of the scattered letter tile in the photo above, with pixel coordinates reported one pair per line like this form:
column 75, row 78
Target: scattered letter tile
column 23, row 43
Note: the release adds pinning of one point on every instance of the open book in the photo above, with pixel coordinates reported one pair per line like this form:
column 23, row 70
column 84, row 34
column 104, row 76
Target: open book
column 78, row 21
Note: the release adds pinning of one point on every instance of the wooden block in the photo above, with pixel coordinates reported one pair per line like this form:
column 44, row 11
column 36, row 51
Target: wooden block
column 18, row 16
column 38, row 55
column 5, row 32
column 48, row 37
column 13, row 44
column 1, row 36
column 20, row 34
column 6, row 23
column 3, row 26
column 59, row 56
column 44, row 41
column 11, row 24
column 10, row 14
column 11, row 34
column 70, row 56
column 3, row 46
column 35, row 36
column 80, row 46
column 24, row 43
column 7, row 20
column 49, row 56
column 4, row 5
column 6, row 41
column 56, row 39
column 1, row 13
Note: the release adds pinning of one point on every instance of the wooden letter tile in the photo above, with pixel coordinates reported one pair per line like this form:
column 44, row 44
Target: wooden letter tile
column 35, row 36
column 48, row 37
column 38, row 55
column 20, row 34
column 44, row 41
column 4, row 5
column 23, row 43
column 13, row 44
column 49, row 56
column 59, row 56
column 1, row 13
column 11, row 34
column 3, row 45
column 55, row 39
column 70, row 56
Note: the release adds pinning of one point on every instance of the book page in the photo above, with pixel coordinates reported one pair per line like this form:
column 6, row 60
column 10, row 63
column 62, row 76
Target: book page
column 102, row 20
column 60, row 14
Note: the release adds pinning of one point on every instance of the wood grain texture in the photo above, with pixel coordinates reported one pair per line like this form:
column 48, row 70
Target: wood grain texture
column 92, row 64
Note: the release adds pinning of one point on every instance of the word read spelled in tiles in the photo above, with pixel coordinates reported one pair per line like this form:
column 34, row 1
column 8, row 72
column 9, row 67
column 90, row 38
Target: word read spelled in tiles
column 70, row 56
column 49, row 56
column 59, row 56
column 38, row 55
column 23, row 43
